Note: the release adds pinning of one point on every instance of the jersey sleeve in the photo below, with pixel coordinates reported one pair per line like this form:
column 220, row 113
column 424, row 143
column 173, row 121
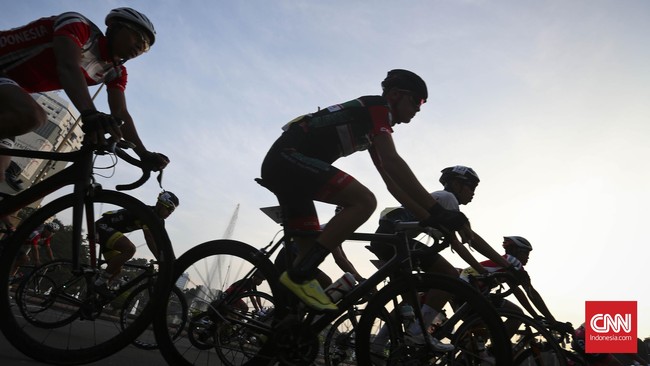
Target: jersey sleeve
column 74, row 26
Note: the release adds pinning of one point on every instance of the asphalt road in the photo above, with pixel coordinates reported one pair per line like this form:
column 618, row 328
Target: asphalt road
column 130, row 356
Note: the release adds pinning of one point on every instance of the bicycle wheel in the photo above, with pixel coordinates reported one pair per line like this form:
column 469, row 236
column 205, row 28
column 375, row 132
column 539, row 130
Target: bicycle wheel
column 49, row 297
column 339, row 346
column 135, row 304
column 532, row 342
column 208, row 270
column 92, row 329
column 375, row 348
column 239, row 328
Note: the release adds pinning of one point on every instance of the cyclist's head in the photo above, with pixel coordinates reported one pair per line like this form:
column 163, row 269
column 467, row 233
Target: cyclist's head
column 129, row 32
column 51, row 227
column 166, row 203
column 518, row 247
column 406, row 92
column 461, row 181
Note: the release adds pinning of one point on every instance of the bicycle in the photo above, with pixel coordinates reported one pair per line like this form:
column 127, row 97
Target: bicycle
column 211, row 267
column 292, row 336
column 88, row 328
column 533, row 342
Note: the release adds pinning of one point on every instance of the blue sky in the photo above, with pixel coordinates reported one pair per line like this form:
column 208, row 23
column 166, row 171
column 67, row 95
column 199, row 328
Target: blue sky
column 546, row 100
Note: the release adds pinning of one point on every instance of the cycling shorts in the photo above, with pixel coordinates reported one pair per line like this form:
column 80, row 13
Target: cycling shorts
column 106, row 238
column 297, row 180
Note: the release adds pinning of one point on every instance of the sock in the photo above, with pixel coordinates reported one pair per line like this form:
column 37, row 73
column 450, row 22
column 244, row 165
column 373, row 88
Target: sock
column 307, row 268
column 428, row 314
column 102, row 278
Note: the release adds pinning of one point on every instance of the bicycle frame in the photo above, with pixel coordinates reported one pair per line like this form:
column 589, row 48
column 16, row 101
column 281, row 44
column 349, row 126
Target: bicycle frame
column 79, row 174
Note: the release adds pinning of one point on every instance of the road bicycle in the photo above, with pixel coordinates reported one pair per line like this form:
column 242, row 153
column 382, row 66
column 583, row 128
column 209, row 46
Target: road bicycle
column 89, row 327
column 533, row 342
column 292, row 337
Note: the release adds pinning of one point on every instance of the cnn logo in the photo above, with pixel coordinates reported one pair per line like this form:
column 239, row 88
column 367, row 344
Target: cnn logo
column 605, row 323
column 610, row 327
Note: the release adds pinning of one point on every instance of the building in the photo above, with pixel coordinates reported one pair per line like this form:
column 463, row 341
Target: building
column 183, row 280
column 60, row 133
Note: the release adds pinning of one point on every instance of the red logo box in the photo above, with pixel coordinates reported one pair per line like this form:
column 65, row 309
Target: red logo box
column 610, row 327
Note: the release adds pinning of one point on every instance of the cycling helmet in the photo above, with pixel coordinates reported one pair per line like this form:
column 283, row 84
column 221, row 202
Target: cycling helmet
column 168, row 199
column 510, row 242
column 52, row 227
column 406, row 80
column 458, row 172
column 134, row 17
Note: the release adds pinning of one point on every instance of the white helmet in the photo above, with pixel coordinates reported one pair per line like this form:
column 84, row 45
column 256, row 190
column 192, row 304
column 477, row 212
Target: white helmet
column 516, row 241
column 134, row 17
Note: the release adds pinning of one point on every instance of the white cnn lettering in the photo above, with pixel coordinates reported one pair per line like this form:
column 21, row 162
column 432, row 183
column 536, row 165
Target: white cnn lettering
column 605, row 323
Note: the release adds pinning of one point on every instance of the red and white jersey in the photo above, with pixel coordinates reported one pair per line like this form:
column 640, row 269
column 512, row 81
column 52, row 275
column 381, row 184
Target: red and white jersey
column 27, row 55
column 491, row 267
column 37, row 238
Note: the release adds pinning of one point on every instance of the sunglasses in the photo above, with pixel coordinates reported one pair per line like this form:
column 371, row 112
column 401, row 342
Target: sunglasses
column 143, row 39
column 417, row 102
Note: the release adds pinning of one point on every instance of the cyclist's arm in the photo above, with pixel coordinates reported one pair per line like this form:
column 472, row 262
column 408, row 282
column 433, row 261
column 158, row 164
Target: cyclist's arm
column 486, row 249
column 117, row 105
column 402, row 183
column 73, row 81
column 151, row 243
column 539, row 303
column 50, row 253
column 462, row 251
column 399, row 178
column 342, row 261
column 36, row 256
column 523, row 300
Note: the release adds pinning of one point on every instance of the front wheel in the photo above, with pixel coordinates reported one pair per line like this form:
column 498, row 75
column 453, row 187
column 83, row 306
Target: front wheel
column 382, row 340
column 74, row 325
column 209, row 270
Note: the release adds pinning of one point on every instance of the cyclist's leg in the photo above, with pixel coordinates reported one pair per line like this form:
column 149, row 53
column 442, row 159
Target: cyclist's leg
column 19, row 114
column 126, row 251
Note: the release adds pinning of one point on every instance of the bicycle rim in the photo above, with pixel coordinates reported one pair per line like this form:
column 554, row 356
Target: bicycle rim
column 92, row 330
column 176, row 315
column 209, row 269
column 393, row 348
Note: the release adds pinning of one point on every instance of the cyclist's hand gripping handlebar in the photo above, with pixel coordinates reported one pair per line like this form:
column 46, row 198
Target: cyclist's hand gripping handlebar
column 118, row 149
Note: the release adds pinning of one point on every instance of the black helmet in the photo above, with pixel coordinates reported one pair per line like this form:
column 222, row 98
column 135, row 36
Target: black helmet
column 168, row 199
column 406, row 80
column 459, row 172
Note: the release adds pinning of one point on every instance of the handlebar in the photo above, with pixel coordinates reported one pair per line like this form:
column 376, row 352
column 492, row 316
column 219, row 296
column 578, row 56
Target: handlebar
column 118, row 148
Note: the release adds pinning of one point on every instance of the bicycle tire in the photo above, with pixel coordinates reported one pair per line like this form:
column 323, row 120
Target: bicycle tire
column 399, row 352
column 236, row 336
column 89, row 340
column 213, row 265
column 36, row 307
column 532, row 342
column 339, row 346
column 147, row 339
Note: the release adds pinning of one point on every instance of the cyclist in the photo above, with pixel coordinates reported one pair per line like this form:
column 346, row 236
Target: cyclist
column 459, row 184
column 594, row 359
column 517, row 252
column 41, row 237
column 243, row 286
column 116, row 248
column 69, row 52
column 298, row 170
